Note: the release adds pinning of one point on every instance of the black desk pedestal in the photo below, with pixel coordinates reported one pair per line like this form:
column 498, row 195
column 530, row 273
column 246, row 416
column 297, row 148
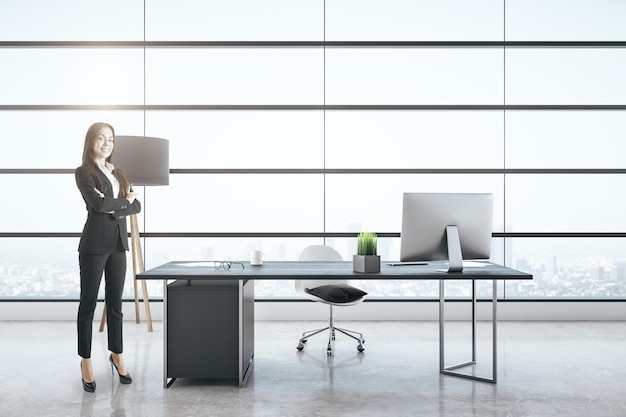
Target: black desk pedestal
column 204, row 322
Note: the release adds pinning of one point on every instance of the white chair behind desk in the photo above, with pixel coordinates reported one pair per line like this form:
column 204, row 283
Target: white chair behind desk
column 331, row 292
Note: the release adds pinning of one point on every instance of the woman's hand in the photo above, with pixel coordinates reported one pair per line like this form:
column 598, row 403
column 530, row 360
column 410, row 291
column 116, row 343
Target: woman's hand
column 101, row 195
column 131, row 196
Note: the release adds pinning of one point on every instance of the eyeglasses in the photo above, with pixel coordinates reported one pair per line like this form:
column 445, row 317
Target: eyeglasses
column 226, row 265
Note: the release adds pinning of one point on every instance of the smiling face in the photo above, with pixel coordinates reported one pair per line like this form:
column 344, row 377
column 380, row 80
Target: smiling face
column 103, row 145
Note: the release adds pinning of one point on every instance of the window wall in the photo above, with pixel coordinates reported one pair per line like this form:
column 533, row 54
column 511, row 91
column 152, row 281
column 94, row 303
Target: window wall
column 302, row 122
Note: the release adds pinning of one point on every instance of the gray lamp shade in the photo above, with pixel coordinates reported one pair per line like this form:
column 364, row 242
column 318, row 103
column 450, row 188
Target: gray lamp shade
column 145, row 160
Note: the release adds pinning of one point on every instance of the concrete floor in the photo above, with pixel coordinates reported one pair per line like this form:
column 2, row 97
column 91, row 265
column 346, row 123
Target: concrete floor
column 545, row 369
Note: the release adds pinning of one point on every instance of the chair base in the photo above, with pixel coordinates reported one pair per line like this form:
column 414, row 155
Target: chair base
column 331, row 335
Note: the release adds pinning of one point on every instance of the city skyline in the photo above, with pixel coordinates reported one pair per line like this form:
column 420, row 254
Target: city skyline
column 54, row 274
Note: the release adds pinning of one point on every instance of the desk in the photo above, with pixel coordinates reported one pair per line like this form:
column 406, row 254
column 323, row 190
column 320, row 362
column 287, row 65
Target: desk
column 197, row 271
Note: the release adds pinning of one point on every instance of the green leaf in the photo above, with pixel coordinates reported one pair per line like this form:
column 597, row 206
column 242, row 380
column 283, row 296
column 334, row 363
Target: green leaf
column 367, row 243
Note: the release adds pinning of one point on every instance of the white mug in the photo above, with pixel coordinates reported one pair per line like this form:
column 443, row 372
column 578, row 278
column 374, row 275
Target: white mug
column 256, row 257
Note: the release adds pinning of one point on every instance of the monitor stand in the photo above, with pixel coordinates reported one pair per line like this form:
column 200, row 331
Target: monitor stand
column 455, row 256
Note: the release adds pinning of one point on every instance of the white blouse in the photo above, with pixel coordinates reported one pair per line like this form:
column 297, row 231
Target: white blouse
column 108, row 171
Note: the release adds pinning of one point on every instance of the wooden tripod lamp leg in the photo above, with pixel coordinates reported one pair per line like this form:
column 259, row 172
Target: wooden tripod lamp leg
column 104, row 317
column 138, row 267
column 135, row 242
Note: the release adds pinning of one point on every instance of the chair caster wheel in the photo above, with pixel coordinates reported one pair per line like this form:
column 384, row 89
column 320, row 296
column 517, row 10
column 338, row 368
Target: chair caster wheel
column 300, row 347
column 360, row 348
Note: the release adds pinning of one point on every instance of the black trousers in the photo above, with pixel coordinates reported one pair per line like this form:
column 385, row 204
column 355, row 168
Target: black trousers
column 92, row 266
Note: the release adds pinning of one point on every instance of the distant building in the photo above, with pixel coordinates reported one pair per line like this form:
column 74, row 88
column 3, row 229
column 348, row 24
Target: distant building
column 522, row 264
column 552, row 266
column 618, row 271
column 597, row 273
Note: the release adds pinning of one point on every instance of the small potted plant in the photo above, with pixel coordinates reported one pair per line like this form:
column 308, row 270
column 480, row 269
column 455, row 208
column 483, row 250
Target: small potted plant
column 366, row 259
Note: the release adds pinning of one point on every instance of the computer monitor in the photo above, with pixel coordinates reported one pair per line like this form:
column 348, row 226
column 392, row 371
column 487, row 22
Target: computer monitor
column 446, row 226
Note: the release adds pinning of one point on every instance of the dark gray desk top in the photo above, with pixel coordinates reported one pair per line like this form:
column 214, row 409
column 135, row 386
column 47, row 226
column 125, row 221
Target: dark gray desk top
column 326, row 270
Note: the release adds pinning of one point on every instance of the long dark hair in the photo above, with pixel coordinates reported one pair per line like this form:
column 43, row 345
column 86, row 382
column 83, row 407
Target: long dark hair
column 89, row 158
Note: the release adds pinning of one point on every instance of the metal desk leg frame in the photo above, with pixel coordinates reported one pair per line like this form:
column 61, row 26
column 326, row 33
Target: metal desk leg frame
column 451, row 370
column 245, row 363
column 166, row 382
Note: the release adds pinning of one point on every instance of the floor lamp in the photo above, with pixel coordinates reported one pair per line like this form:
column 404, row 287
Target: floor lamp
column 145, row 161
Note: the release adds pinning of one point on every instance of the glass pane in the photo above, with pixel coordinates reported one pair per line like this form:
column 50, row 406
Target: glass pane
column 65, row 210
column 565, row 203
column 414, row 139
column 565, row 20
column 71, row 76
column 569, row 268
column 415, row 20
column 357, row 202
column 565, row 76
column 54, row 139
column 414, row 76
column 48, row 268
column 562, row 139
column 234, row 76
column 236, row 203
column 39, row 268
column 71, row 20
column 235, row 20
column 241, row 139
column 424, row 290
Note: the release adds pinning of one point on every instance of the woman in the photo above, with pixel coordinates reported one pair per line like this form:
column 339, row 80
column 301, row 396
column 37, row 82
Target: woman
column 102, row 248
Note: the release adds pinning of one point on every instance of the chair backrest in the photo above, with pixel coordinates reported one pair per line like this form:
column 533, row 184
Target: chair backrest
column 320, row 253
column 316, row 253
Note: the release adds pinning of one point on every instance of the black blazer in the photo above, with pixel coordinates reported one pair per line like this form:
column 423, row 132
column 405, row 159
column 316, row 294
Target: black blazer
column 101, row 230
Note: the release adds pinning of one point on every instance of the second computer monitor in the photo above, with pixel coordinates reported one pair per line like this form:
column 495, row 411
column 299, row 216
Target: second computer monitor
column 446, row 226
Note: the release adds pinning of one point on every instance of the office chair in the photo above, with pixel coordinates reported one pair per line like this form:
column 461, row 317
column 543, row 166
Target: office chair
column 331, row 292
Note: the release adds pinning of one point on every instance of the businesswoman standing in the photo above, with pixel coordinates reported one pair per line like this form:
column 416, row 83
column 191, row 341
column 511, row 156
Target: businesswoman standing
column 102, row 248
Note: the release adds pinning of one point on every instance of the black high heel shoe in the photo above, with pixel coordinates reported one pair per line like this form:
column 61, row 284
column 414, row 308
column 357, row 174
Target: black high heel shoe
column 87, row 386
column 124, row 379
